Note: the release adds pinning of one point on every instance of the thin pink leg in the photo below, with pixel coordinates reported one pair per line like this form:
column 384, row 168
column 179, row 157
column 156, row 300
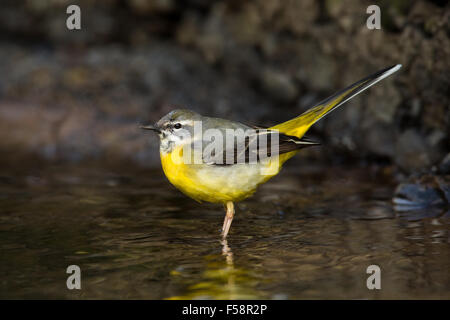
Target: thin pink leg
column 228, row 219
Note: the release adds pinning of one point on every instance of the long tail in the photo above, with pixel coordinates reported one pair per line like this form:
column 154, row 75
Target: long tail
column 299, row 125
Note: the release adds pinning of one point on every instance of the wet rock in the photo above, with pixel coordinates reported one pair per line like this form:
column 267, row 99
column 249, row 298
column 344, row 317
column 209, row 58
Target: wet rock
column 426, row 191
column 444, row 185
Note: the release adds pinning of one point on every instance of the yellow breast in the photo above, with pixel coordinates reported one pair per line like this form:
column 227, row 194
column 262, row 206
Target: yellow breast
column 218, row 184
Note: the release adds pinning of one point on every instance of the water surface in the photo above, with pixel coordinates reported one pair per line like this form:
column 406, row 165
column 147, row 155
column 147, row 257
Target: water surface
column 306, row 234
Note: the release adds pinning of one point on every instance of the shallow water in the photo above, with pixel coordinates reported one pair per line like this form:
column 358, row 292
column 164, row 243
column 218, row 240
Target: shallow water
column 306, row 234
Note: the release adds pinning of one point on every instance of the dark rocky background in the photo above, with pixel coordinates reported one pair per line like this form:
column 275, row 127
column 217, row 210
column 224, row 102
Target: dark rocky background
column 80, row 95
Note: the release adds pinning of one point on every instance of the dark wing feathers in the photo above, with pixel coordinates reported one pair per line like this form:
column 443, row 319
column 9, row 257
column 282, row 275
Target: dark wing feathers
column 285, row 144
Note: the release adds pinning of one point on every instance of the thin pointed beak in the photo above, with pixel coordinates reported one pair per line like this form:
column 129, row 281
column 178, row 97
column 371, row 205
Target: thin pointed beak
column 151, row 127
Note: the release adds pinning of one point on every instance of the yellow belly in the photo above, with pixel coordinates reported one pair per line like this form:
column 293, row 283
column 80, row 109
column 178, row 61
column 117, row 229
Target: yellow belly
column 218, row 184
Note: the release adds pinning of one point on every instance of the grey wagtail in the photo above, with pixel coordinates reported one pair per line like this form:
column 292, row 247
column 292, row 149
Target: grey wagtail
column 207, row 177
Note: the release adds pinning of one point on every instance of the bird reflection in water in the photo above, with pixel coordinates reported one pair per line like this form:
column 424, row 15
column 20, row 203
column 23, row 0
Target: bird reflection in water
column 226, row 251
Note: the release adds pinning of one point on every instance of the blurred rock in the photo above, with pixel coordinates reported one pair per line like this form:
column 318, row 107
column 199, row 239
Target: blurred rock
column 379, row 139
column 259, row 61
column 411, row 152
column 383, row 102
column 444, row 166
column 151, row 6
column 291, row 11
column 279, row 85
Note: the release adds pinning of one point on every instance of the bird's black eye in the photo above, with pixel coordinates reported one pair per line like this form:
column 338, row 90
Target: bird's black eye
column 177, row 125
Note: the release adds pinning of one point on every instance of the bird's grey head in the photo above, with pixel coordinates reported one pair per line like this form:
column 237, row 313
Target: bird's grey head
column 175, row 128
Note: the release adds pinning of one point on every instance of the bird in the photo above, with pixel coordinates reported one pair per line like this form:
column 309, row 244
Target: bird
column 228, row 173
